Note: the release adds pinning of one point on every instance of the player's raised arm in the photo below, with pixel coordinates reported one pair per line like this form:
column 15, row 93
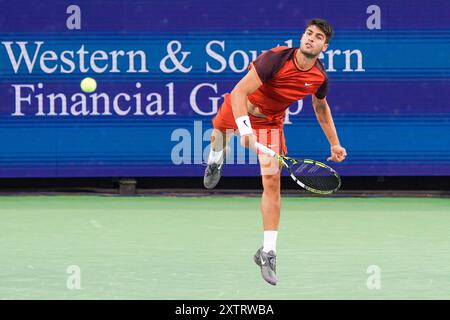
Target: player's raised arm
column 248, row 84
column 325, row 119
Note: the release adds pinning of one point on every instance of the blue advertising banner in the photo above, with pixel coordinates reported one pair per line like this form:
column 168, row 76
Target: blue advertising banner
column 162, row 68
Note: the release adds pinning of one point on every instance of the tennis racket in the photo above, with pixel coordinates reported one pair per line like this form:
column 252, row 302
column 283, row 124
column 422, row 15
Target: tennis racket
column 311, row 175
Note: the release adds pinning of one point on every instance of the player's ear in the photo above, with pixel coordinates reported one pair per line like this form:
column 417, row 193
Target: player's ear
column 325, row 47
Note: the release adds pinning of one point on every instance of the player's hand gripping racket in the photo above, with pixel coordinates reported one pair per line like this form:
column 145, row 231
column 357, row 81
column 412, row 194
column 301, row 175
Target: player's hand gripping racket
column 311, row 175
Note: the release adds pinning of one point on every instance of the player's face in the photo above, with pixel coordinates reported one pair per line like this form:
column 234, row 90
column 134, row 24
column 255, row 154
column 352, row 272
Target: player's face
column 313, row 42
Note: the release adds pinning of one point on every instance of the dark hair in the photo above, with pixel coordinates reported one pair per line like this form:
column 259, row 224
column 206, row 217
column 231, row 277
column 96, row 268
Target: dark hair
column 324, row 26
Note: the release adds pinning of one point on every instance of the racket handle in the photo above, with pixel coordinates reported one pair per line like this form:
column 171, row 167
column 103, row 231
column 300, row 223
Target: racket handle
column 265, row 150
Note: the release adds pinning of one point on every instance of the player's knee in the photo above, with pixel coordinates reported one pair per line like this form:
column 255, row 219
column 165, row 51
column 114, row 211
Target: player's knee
column 271, row 184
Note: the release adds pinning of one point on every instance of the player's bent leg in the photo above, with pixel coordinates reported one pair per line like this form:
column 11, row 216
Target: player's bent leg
column 216, row 158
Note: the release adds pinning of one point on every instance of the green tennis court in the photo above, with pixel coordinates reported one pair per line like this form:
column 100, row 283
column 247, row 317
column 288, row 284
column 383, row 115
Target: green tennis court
column 201, row 248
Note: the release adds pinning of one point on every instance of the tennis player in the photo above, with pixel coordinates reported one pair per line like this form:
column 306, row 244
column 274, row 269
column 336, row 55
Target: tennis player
column 256, row 107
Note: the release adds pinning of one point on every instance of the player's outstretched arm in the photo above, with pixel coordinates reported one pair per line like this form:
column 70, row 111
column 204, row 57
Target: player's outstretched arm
column 248, row 84
column 325, row 119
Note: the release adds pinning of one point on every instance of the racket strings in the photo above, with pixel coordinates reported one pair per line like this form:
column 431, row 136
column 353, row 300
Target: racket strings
column 316, row 177
column 323, row 183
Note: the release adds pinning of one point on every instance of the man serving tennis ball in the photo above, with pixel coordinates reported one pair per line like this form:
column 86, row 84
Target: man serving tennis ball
column 256, row 107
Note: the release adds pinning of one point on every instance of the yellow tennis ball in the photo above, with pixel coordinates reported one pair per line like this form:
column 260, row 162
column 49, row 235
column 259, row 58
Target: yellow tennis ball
column 88, row 85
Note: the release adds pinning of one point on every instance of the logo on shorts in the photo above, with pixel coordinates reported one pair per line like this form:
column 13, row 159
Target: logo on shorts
column 308, row 84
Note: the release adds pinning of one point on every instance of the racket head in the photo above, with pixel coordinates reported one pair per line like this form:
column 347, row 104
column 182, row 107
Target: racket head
column 313, row 175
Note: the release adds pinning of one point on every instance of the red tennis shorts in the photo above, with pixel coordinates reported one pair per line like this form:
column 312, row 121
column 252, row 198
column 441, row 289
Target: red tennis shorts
column 270, row 135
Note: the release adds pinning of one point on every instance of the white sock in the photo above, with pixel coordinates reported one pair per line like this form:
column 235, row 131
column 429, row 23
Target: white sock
column 270, row 241
column 215, row 156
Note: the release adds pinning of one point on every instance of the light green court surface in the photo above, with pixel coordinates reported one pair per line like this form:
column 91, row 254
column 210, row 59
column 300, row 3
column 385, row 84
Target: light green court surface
column 202, row 248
